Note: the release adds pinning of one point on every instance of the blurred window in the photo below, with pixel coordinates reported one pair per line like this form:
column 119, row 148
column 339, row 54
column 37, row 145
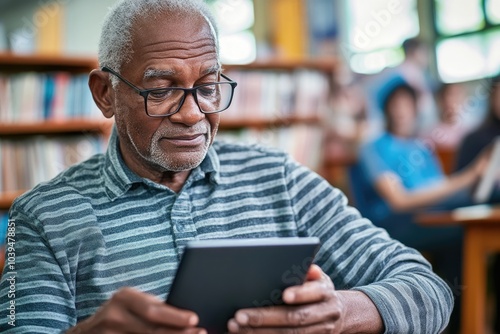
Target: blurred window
column 376, row 30
column 235, row 20
column 468, row 39
column 458, row 16
column 493, row 11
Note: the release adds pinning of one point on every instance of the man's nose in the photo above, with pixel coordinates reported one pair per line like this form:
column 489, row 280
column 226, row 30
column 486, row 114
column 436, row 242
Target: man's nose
column 190, row 113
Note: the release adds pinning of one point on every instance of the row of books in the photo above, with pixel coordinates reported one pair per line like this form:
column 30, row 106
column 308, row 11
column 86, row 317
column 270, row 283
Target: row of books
column 31, row 97
column 275, row 94
column 27, row 162
column 302, row 142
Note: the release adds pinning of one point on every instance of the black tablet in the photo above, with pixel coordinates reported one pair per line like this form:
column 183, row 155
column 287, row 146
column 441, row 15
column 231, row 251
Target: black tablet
column 216, row 278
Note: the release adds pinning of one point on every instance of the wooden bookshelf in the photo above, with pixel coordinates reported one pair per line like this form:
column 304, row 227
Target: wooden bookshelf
column 235, row 124
column 327, row 65
column 12, row 63
column 57, row 127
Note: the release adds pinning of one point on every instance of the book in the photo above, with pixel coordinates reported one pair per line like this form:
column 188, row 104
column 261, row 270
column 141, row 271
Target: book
column 49, row 34
column 323, row 27
column 289, row 32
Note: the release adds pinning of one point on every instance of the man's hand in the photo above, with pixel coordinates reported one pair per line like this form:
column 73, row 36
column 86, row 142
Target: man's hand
column 314, row 307
column 131, row 311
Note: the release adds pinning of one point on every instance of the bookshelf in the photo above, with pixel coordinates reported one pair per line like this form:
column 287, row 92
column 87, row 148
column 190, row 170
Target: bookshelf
column 264, row 123
column 281, row 103
column 33, row 130
column 56, row 127
column 13, row 63
column 256, row 76
column 326, row 65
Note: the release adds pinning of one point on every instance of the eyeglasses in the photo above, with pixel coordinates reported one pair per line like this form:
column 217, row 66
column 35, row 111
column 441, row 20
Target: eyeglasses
column 211, row 97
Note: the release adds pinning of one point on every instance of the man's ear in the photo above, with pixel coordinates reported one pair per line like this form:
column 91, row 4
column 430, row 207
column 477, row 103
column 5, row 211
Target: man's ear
column 102, row 92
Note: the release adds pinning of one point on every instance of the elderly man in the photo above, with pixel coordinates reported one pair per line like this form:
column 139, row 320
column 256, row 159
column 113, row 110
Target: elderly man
column 98, row 246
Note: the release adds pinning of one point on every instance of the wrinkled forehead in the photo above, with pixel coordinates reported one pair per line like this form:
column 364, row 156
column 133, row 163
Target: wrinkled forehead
column 180, row 27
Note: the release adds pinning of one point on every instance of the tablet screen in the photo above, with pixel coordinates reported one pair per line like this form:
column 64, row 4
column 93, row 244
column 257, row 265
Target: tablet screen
column 216, row 278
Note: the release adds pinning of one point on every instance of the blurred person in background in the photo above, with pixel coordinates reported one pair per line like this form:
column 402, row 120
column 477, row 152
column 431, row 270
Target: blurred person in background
column 398, row 175
column 415, row 71
column 468, row 151
column 453, row 124
column 477, row 140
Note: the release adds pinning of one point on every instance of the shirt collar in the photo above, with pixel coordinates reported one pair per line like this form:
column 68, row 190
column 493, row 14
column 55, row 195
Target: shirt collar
column 119, row 178
column 211, row 166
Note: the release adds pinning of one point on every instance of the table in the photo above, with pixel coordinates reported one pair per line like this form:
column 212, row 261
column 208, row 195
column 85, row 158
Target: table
column 482, row 237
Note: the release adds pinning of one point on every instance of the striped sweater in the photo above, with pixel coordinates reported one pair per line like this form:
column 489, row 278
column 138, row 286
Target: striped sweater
column 98, row 227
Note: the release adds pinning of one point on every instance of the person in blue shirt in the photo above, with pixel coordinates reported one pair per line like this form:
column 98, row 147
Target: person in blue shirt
column 399, row 175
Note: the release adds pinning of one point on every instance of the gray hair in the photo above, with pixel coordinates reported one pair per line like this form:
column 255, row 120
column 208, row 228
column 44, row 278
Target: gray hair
column 115, row 45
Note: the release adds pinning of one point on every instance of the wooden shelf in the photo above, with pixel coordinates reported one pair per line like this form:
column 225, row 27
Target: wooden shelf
column 322, row 64
column 7, row 198
column 343, row 160
column 56, row 127
column 11, row 63
column 236, row 124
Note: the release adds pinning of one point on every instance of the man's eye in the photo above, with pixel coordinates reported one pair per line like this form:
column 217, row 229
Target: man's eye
column 160, row 94
column 207, row 91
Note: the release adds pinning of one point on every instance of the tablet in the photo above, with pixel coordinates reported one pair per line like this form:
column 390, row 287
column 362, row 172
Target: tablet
column 491, row 177
column 216, row 278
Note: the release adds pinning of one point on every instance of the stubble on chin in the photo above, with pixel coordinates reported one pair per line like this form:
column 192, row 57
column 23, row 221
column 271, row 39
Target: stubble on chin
column 155, row 156
column 169, row 162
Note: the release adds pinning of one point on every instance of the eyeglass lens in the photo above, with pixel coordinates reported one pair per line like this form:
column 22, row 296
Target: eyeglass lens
column 211, row 98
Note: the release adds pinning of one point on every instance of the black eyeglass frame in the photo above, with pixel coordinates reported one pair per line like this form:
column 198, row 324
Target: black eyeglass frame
column 145, row 92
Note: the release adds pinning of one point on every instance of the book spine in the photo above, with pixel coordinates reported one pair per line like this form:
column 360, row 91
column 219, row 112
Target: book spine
column 290, row 35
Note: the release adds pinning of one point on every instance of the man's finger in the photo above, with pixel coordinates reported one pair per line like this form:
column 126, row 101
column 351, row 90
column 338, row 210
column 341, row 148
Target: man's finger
column 153, row 310
column 309, row 292
column 314, row 273
column 117, row 318
column 317, row 288
column 285, row 316
column 330, row 327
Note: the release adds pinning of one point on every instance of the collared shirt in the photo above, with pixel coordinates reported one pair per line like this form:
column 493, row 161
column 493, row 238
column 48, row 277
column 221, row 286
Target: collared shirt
column 98, row 227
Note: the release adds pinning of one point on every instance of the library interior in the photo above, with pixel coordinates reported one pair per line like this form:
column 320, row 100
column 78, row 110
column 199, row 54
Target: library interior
column 396, row 103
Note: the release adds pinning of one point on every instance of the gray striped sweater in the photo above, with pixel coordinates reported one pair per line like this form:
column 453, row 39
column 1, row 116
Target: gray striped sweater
column 98, row 227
